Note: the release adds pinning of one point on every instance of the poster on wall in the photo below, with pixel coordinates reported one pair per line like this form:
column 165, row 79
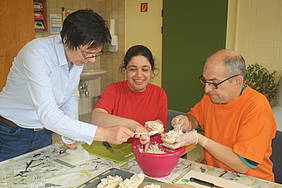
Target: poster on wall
column 55, row 23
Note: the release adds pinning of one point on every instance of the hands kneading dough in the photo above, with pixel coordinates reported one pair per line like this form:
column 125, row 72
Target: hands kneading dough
column 154, row 126
column 185, row 139
column 171, row 136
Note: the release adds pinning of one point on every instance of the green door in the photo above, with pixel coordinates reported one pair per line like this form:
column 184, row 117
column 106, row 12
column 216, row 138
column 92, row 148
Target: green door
column 192, row 30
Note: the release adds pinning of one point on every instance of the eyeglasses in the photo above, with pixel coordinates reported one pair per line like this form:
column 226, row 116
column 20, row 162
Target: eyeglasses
column 87, row 55
column 212, row 84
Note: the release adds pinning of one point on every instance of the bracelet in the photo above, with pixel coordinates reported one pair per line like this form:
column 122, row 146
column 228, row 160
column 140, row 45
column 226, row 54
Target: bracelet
column 67, row 140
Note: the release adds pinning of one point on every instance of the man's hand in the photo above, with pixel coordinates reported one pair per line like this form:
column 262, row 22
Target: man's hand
column 113, row 135
column 185, row 140
column 181, row 122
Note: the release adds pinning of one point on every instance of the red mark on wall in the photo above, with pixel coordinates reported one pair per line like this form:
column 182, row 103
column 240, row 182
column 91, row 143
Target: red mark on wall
column 144, row 7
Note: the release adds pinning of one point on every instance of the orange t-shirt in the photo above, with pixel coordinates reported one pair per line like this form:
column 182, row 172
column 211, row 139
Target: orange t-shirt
column 246, row 125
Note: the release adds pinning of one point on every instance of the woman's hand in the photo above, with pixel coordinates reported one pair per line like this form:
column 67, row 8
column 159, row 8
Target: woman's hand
column 113, row 135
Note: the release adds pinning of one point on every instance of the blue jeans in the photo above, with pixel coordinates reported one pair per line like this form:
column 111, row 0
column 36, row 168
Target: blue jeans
column 15, row 141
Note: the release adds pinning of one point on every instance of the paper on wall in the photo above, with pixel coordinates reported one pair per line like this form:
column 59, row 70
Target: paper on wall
column 55, row 23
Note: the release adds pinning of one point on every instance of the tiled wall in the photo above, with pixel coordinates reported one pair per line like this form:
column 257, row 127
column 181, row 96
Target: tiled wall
column 113, row 9
column 109, row 61
column 86, row 103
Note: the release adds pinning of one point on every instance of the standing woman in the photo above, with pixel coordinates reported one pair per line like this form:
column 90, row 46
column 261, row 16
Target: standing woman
column 134, row 101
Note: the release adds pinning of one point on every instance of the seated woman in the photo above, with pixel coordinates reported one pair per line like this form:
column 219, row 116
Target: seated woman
column 134, row 101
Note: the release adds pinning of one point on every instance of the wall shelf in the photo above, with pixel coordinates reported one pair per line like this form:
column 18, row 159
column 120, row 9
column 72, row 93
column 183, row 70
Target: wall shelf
column 40, row 15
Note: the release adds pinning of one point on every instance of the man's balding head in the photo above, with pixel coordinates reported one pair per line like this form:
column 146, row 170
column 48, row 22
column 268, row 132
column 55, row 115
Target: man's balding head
column 223, row 76
column 231, row 61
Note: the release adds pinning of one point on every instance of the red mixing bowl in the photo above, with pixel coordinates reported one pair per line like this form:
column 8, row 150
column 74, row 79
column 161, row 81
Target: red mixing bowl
column 156, row 165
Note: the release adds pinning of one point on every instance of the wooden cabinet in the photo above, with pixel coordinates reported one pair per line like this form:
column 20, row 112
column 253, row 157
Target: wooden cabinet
column 17, row 28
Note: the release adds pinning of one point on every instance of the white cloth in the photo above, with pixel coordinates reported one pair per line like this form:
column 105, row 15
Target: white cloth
column 41, row 91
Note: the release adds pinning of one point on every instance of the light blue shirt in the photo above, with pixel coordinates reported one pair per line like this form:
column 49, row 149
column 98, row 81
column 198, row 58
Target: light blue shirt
column 41, row 91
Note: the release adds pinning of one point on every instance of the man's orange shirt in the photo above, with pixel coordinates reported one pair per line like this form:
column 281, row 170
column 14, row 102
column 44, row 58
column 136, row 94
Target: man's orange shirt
column 246, row 125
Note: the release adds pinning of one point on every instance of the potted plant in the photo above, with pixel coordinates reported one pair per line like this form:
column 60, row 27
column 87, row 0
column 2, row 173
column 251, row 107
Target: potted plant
column 260, row 79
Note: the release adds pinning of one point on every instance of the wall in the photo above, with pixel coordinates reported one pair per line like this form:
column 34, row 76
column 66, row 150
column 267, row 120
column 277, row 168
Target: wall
column 255, row 31
column 114, row 9
column 231, row 24
column 145, row 28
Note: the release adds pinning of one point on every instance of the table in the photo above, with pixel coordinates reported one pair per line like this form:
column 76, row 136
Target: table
column 184, row 166
column 54, row 165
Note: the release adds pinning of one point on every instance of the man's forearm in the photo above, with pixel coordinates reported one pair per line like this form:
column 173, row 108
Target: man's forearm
column 223, row 154
column 103, row 119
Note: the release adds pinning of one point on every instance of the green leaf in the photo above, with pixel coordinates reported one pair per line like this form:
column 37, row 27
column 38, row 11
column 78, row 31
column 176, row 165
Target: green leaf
column 260, row 79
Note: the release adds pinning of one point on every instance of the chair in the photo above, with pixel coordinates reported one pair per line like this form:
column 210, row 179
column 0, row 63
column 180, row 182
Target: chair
column 276, row 156
column 171, row 115
column 277, row 108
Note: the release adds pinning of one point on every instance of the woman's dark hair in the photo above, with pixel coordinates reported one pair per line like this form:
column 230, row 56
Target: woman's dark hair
column 138, row 50
column 85, row 27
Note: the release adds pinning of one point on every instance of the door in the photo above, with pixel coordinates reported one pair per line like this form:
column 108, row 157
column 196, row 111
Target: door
column 17, row 28
column 192, row 30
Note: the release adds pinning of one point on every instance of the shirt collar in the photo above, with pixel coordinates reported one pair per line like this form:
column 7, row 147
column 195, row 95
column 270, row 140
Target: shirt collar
column 60, row 50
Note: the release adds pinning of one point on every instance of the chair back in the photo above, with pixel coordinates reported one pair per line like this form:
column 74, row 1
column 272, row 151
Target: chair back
column 171, row 115
column 276, row 156
column 279, row 93
column 277, row 108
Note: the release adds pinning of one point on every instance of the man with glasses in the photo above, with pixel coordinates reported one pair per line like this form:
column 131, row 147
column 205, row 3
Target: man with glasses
column 238, row 122
column 40, row 94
